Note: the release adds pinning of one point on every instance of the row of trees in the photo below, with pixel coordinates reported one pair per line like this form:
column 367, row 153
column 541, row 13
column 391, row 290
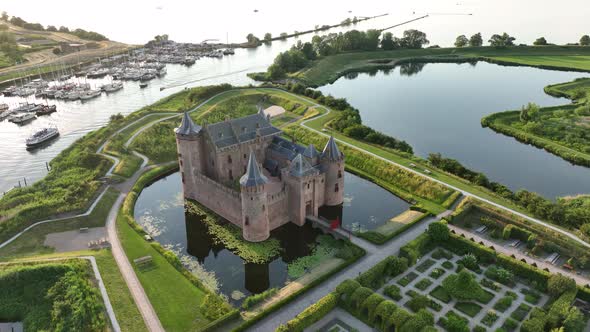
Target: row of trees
column 9, row 47
column 504, row 40
column 300, row 54
column 80, row 33
column 570, row 212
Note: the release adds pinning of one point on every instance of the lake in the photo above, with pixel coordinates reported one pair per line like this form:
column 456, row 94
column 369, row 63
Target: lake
column 438, row 108
column 160, row 211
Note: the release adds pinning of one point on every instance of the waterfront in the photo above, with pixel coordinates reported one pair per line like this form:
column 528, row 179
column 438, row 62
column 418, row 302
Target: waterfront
column 433, row 115
column 160, row 211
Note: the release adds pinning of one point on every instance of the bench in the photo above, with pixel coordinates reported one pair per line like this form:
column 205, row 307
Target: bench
column 142, row 260
column 481, row 229
column 552, row 258
column 83, row 229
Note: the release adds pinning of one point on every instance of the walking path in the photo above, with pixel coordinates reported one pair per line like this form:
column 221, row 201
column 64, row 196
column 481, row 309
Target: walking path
column 290, row 310
column 466, row 193
column 99, row 281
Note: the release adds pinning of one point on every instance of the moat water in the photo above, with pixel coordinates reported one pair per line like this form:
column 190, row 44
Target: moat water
column 160, row 211
column 438, row 108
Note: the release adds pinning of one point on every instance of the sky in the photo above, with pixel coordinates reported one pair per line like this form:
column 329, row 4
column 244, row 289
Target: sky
column 136, row 22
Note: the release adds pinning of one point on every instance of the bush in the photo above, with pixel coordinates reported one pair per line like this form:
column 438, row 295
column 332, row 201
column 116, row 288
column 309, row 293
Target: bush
column 393, row 291
column 311, row 314
column 469, row 308
column 436, row 273
column 559, row 284
column 416, row 248
column 252, row 300
column 425, row 265
column 511, row 325
column 462, row 286
column 520, row 313
column 503, row 303
column 407, row 279
column 447, row 265
column 500, row 275
column 441, row 294
column 469, row 261
column 418, row 302
column 490, row 284
column 423, row 284
column 376, row 276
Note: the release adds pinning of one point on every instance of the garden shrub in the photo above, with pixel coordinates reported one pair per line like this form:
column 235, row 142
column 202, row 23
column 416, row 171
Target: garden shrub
column 503, row 303
column 393, row 291
column 418, row 302
column 423, row 284
column 500, row 275
column 380, row 272
column 371, row 303
column 311, row 314
column 462, row 286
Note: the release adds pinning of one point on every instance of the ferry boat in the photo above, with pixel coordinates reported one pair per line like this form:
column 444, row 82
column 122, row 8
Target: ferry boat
column 41, row 137
column 22, row 118
column 46, row 110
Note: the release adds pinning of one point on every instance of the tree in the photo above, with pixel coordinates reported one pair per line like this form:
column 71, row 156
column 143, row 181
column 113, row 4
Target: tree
column 19, row 22
column 284, row 35
column 308, row 51
column 4, row 16
column 252, row 40
column 462, row 286
column 559, row 284
column 574, row 321
column 461, row 41
column 63, row 29
column 267, row 38
column 418, row 302
column 414, row 39
column 51, row 28
column 419, row 321
column 529, row 112
column 502, row 40
column 439, row 231
column 476, row 40
column 585, row 40
column 387, row 42
column 455, row 324
column 540, row 41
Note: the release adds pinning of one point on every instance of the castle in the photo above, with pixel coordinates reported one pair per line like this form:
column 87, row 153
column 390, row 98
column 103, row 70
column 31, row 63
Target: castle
column 291, row 183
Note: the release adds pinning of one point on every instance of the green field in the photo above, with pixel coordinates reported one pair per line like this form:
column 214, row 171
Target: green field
column 329, row 69
column 31, row 242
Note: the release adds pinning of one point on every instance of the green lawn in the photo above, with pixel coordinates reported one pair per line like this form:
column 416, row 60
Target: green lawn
column 175, row 299
column 581, row 62
column 126, row 311
column 469, row 308
column 31, row 242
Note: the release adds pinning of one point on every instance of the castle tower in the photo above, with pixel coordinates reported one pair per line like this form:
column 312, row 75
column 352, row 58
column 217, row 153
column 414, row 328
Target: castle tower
column 332, row 161
column 312, row 155
column 255, row 223
column 303, row 185
column 188, row 142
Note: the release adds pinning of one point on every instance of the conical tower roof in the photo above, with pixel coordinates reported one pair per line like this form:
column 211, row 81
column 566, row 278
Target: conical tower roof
column 331, row 151
column 253, row 176
column 300, row 167
column 187, row 126
column 311, row 152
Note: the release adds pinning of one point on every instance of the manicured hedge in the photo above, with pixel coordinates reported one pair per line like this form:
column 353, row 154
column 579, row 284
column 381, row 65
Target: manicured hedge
column 311, row 314
column 376, row 276
column 417, row 248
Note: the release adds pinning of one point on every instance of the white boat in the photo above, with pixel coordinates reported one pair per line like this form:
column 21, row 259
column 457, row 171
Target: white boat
column 41, row 137
column 5, row 114
column 73, row 95
column 26, row 108
column 22, row 118
column 3, row 107
column 112, row 87
column 90, row 94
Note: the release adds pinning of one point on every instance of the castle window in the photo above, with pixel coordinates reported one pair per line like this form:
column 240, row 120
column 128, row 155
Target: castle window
column 220, row 134
column 243, row 129
column 308, row 186
column 263, row 207
column 229, row 159
column 336, row 188
column 231, row 176
column 245, row 156
column 180, row 161
column 339, row 174
column 182, row 175
column 257, row 125
column 247, row 221
column 245, row 169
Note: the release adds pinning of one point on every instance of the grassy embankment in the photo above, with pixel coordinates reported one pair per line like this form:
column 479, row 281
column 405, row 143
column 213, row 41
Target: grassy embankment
column 75, row 176
column 51, row 296
column 30, row 246
column 328, row 69
column 561, row 130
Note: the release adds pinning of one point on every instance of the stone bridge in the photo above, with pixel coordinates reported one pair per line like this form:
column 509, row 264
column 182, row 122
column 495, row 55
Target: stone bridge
column 324, row 225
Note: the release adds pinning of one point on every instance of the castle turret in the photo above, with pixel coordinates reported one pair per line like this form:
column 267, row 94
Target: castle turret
column 255, row 223
column 312, row 155
column 188, row 142
column 332, row 161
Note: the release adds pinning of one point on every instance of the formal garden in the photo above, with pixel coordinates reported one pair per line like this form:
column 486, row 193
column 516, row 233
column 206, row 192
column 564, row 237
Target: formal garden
column 441, row 281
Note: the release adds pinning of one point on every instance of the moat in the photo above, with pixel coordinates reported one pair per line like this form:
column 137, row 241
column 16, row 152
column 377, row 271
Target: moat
column 160, row 210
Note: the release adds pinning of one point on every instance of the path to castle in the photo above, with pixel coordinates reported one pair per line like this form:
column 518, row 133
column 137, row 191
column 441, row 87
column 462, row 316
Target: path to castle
column 374, row 253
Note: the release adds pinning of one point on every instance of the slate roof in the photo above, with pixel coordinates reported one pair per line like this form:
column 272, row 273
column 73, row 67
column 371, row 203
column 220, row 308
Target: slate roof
column 331, row 151
column 311, row 152
column 240, row 130
column 300, row 167
column 253, row 176
column 187, row 126
column 285, row 148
